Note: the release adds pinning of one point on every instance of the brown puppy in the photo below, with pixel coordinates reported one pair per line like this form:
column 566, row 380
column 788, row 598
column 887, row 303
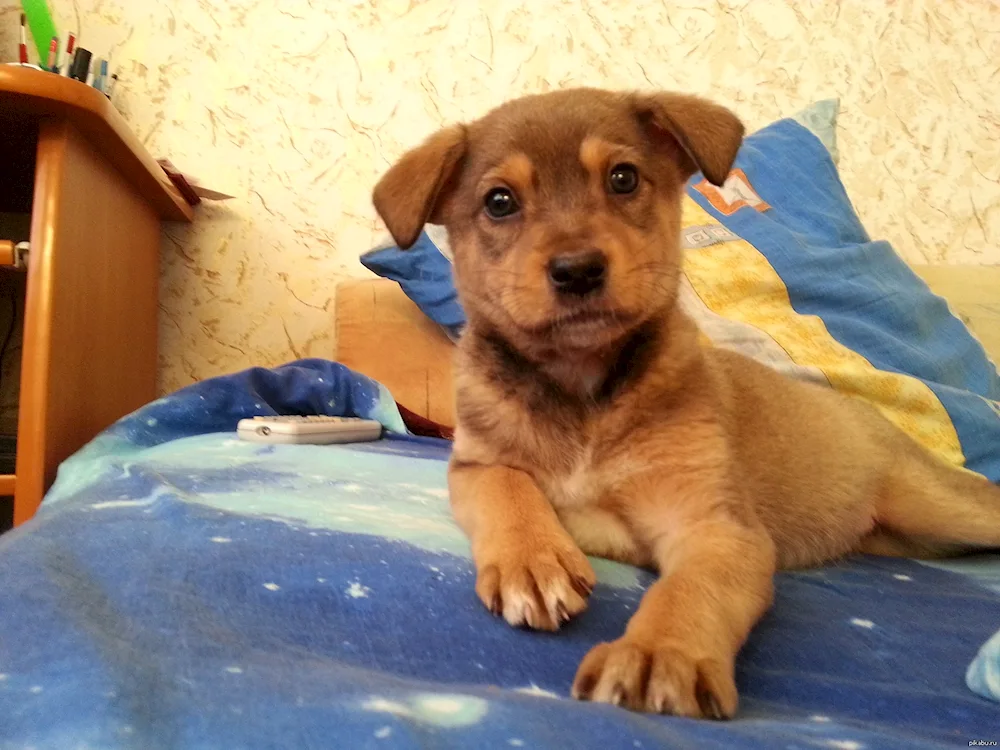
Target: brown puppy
column 590, row 420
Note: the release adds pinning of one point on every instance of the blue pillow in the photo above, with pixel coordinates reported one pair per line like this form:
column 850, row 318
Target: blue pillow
column 425, row 274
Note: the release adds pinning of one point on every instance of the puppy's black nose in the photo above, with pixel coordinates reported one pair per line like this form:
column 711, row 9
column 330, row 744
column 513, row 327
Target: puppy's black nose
column 578, row 274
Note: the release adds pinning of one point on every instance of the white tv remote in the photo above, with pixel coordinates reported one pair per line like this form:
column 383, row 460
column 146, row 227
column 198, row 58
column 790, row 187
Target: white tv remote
column 311, row 430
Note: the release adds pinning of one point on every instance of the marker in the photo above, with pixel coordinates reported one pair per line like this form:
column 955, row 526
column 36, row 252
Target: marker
column 96, row 81
column 104, row 76
column 81, row 65
column 53, row 52
column 22, row 48
column 70, row 47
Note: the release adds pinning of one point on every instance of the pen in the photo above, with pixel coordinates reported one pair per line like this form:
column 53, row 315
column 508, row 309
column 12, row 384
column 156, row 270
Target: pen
column 70, row 48
column 22, row 48
column 104, row 76
column 53, row 52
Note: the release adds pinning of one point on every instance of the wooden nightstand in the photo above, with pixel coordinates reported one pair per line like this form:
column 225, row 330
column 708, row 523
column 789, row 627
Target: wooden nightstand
column 79, row 186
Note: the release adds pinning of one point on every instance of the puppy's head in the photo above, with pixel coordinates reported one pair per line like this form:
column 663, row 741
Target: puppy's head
column 563, row 209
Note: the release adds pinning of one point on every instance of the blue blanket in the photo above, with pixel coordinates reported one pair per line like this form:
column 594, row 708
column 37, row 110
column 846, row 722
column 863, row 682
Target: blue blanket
column 180, row 588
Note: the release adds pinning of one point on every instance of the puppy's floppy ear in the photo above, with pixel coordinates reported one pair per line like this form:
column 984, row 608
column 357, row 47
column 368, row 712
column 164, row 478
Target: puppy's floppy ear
column 708, row 134
column 411, row 191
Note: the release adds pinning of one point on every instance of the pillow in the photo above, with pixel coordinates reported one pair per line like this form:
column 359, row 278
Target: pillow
column 778, row 266
column 820, row 119
column 424, row 273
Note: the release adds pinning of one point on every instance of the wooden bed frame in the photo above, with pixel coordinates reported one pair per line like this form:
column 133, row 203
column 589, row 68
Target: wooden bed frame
column 382, row 334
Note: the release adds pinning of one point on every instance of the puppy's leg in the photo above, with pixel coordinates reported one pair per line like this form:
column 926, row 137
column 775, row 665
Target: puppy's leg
column 528, row 567
column 678, row 652
column 928, row 510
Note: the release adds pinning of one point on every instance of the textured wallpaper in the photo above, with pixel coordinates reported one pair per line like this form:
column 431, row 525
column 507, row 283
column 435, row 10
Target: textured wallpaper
column 296, row 107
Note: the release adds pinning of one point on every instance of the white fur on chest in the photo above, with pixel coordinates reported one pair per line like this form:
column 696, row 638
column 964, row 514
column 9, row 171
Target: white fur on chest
column 576, row 496
column 582, row 378
column 579, row 487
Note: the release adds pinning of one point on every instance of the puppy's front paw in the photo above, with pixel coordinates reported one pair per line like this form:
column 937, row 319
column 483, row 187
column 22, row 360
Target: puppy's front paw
column 659, row 679
column 535, row 584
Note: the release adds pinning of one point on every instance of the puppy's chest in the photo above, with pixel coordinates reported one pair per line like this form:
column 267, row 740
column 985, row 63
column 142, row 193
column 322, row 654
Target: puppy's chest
column 581, row 467
column 586, row 495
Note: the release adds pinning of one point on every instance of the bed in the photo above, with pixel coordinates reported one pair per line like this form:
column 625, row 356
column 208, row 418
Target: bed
column 181, row 588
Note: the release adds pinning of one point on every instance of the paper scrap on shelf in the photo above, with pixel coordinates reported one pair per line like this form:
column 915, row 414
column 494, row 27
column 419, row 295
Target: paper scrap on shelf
column 192, row 183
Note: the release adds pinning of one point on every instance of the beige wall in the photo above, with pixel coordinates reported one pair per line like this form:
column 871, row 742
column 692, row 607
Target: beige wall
column 297, row 106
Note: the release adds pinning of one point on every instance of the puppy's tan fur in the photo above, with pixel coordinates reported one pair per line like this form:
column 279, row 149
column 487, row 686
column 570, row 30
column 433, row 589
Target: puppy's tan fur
column 616, row 434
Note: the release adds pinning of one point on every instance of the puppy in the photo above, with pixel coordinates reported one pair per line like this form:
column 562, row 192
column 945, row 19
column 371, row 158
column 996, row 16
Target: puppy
column 591, row 422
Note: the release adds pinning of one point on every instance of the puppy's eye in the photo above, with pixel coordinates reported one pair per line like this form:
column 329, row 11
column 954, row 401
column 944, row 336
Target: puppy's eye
column 500, row 203
column 623, row 179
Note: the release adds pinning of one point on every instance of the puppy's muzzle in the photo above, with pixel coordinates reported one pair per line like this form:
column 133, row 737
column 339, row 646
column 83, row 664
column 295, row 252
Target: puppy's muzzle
column 578, row 275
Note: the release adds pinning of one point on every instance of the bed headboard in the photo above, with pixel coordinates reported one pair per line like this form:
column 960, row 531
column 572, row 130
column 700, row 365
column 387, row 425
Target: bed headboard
column 381, row 333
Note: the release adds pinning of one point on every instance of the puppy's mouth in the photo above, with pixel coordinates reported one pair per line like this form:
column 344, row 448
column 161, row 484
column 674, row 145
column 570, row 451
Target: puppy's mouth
column 581, row 323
